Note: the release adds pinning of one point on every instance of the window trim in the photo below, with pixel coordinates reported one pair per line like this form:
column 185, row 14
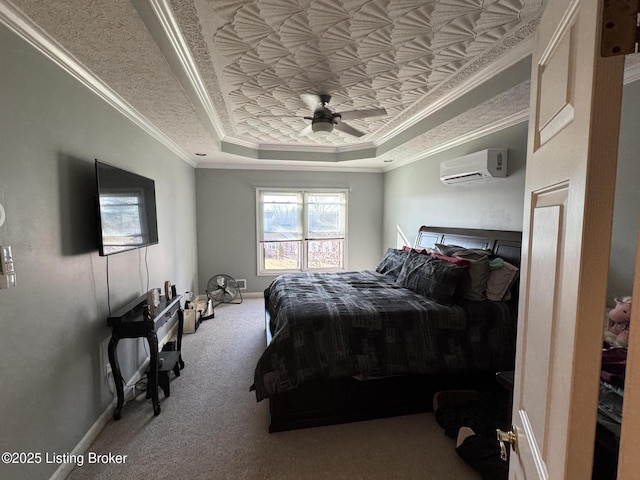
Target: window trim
column 261, row 272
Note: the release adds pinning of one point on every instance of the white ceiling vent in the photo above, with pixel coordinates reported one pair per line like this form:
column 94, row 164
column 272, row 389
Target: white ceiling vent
column 482, row 165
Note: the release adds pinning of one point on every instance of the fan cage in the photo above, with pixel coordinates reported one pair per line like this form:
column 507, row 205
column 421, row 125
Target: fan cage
column 223, row 288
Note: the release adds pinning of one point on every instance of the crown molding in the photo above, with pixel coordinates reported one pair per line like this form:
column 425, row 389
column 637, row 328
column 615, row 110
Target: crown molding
column 289, row 167
column 507, row 122
column 25, row 28
column 360, row 151
column 268, row 147
column 180, row 57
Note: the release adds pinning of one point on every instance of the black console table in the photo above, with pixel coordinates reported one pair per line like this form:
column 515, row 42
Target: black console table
column 133, row 321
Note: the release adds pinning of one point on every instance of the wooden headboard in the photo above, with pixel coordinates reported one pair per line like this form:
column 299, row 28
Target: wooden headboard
column 503, row 243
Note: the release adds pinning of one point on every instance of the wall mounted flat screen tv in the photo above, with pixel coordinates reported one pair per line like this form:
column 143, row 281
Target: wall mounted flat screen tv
column 126, row 210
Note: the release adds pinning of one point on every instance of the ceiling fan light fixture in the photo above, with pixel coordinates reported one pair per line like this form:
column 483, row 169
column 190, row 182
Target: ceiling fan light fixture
column 324, row 120
column 322, row 126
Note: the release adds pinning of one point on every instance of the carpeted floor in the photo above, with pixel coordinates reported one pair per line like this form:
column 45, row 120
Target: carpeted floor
column 211, row 427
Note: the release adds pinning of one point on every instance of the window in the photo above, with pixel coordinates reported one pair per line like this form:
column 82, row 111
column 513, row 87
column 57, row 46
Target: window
column 301, row 230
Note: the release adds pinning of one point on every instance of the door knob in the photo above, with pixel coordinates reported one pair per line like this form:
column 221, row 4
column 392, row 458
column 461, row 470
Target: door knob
column 510, row 437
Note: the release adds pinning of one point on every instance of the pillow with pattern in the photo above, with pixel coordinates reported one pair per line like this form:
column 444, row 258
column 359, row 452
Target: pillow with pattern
column 392, row 261
column 432, row 277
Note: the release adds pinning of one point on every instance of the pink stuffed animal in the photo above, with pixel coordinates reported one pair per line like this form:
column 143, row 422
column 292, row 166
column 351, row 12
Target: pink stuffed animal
column 618, row 319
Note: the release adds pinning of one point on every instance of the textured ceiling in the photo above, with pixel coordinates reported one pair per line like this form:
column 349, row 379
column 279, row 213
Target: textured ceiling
column 225, row 77
column 400, row 55
column 366, row 54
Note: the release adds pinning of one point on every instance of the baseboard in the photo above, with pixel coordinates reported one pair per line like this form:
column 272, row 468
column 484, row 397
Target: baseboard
column 203, row 297
column 82, row 447
column 65, row 469
column 253, row 295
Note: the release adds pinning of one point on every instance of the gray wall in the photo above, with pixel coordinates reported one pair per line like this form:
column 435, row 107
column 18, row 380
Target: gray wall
column 226, row 214
column 54, row 332
column 414, row 195
column 627, row 199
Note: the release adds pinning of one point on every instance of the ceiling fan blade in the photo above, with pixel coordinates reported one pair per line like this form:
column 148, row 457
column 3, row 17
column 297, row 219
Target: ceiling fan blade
column 310, row 100
column 353, row 114
column 275, row 116
column 343, row 127
column 306, row 131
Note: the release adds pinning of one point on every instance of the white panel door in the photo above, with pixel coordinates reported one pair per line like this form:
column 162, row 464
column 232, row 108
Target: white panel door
column 570, row 182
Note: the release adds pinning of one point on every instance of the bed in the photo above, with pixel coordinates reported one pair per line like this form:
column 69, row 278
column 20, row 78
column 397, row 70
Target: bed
column 352, row 346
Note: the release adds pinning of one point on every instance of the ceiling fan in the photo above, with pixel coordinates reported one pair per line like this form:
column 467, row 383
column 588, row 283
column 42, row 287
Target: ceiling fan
column 324, row 120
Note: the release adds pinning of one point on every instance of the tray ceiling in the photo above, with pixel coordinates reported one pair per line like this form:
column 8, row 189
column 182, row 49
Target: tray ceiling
column 225, row 77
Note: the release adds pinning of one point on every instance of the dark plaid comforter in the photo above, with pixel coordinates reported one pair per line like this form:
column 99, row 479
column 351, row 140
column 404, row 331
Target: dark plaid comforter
column 363, row 324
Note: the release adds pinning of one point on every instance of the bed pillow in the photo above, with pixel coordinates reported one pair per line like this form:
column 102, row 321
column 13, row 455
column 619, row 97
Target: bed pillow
column 432, row 277
column 457, row 261
column 476, row 287
column 465, row 278
column 392, row 262
column 451, row 250
column 448, row 250
column 479, row 272
column 500, row 282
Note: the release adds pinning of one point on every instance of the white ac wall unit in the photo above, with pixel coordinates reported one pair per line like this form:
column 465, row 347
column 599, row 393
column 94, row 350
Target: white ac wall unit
column 482, row 165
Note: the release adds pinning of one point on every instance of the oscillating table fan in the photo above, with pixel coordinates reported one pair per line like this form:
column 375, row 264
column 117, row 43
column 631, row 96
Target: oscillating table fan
column 223, row 288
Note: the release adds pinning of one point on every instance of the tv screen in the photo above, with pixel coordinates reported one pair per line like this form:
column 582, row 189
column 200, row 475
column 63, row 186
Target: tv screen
column 126, row 210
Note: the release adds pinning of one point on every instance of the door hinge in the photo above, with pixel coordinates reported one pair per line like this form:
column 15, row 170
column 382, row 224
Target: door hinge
column 620, row 30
